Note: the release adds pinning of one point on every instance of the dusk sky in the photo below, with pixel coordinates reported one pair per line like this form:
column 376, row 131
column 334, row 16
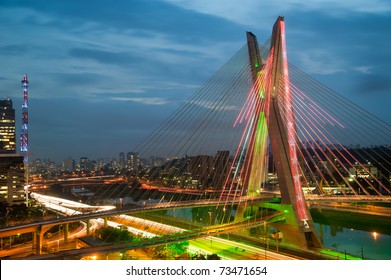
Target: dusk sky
column 104, row 74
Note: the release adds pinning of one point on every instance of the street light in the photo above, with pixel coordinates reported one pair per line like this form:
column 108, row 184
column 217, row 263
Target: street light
column 26, row 194
column 266, row 238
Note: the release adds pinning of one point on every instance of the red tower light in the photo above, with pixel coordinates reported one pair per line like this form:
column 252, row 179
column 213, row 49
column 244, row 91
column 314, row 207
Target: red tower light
column 24, row 131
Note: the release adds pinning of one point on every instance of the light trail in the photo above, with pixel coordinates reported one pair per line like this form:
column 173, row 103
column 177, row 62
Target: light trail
column 59, row 204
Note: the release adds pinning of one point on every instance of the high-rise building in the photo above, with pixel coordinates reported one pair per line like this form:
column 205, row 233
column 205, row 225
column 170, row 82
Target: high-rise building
column 121, row 160
column 85, row 164
column 221, row 166
column 12, row 179
column 7, row 127
column 132, row 161
column 68, row 164
column 12, row 171
column 200, row 167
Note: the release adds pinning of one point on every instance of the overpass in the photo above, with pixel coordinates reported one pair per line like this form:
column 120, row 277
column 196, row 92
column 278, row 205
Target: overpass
column 74, row 210
column 161, row 240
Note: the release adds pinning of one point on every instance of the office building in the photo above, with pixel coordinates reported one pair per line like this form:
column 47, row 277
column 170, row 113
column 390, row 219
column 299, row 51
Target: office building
column 121, row 160
column 12, row 179
column 7, row 127
column 132, row 161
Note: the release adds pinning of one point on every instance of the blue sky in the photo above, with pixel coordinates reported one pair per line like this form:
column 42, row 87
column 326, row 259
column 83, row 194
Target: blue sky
column 103, row 74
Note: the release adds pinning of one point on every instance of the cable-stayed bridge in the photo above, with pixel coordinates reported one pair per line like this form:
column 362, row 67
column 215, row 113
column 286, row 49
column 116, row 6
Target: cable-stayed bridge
column 261, row 124
column 259, row 114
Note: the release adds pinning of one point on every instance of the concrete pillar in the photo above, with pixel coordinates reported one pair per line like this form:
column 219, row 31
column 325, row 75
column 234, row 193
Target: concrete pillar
column 88, row 228
column 34, row 240
column 66, row 233
column 39, row 240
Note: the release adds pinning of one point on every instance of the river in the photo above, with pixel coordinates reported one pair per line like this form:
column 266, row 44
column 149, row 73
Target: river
column 369, row 245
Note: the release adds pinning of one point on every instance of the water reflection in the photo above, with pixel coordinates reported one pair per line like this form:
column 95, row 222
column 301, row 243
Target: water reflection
column 370, row 245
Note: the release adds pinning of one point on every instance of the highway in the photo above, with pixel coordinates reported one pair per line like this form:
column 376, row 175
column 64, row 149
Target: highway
column 150, row 229
column 67, row 207
column 54, row 243
column 231, row 250
column 352, row 207
column 75, row 211
column 347, row 198
column 227, row 249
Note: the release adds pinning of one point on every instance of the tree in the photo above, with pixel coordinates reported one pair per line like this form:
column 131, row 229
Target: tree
column 170, row 251
column 179, row 248
column 110, row 234
column 213, row 257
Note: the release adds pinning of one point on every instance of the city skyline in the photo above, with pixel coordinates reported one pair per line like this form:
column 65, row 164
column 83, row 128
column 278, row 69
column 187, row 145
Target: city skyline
column 287, row 171
column 102, row 79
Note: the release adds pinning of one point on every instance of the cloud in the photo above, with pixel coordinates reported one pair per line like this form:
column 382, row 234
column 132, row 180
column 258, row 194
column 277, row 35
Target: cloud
column 250, row 11
column 113, row 63
column 363, row 69
column 13, row 49
column 146, row 101
column 127, row 33
column 104, row 57
column 321, row 61
column 211, row 105
column 372, row 84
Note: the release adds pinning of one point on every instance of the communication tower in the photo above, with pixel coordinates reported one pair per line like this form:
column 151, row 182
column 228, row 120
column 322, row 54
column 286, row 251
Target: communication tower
column 24, row 133
column 24, row 137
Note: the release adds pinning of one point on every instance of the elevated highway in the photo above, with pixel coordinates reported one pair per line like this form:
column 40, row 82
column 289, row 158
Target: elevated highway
column 161, row 240
column 81, row 212
column 77, row 215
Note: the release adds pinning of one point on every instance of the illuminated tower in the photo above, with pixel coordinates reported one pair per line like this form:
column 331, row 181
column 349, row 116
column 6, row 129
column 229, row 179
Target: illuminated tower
column 24, row 133
column 280, row 122
column 24, row 136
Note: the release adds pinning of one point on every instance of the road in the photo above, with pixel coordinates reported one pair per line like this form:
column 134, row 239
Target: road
column 225, row 248
column 53, row 244
column 231, row 250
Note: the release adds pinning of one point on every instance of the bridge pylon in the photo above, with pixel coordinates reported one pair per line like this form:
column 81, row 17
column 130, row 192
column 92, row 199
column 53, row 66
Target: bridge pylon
column 280, row 122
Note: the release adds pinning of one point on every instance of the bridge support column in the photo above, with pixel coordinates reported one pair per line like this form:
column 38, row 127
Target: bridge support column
column 282, row 135
column 239, row 216
column 292, row 231
column 34, row 240
column 66, row 232
column 105, row 222
column 88, row 227
column 38, row 240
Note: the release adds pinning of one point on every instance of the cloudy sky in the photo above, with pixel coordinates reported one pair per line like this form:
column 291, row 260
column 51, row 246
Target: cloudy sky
column 103, row 74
